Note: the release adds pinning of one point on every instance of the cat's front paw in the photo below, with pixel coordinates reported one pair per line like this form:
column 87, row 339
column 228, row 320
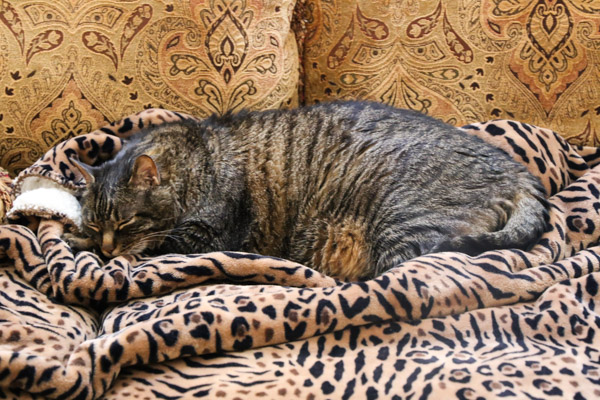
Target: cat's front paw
column 78, row 243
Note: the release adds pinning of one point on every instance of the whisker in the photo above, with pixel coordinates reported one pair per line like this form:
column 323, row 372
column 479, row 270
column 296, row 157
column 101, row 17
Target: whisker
column 142, row 243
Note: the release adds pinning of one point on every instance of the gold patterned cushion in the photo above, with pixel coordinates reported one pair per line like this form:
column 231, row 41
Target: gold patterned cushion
column 68, row 67
column 5, row 194
column 461, row 61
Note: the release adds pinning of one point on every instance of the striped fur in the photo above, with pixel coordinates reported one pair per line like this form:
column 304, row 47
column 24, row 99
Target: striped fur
column 351, row 189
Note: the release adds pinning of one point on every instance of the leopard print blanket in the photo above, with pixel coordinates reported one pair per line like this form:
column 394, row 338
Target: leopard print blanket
column 507, row 323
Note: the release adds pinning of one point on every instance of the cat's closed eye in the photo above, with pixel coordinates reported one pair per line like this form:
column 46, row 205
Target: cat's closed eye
column 94, row 227
column 134, row 225
column 126, row 222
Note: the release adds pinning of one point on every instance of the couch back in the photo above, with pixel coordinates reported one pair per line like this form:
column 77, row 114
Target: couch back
column 462, row 61
column 71, row 66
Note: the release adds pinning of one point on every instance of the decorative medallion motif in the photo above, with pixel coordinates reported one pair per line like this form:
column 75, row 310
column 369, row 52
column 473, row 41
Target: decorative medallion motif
column 550, row 60
column 225, row 58
column 69, row 114
column 70, row 125
column 549, row 26
column 77, row 64
column 466, row 61
column 227, row 44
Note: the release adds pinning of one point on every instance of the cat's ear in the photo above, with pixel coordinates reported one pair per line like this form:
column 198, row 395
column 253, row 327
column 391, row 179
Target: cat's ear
column 145, row 173
column 86, row 171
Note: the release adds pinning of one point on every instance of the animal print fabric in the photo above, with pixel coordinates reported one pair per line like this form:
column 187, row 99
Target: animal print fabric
column 507, row 323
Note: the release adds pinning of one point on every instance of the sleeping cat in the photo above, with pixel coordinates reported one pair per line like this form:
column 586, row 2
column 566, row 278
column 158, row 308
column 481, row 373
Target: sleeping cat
column 351, row 189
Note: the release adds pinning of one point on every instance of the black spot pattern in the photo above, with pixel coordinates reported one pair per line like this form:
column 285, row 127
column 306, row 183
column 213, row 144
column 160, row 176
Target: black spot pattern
column 505, row 324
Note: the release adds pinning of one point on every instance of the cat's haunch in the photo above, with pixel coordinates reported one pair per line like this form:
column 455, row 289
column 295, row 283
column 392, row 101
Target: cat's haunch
column 349, row 188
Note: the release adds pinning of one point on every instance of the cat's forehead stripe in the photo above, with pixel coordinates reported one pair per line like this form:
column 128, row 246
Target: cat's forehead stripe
column 104, row 205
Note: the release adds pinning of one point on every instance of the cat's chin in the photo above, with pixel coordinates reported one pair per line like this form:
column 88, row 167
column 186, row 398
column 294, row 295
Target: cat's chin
column 119, row 251
column 140, row 250
column 126, row 254
column 137, row 249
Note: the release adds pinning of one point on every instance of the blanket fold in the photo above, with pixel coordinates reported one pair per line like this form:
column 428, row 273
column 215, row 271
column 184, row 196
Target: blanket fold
column 175, row 309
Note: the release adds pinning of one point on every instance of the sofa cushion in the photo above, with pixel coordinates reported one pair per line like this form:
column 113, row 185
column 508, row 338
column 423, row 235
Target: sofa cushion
column 461, row 61
column 6, row 194
column 70, row 67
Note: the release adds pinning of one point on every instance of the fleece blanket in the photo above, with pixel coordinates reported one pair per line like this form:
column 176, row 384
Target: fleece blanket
column 507, row 323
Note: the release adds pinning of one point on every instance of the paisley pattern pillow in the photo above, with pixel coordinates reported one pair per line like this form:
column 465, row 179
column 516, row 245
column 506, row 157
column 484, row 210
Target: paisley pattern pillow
column 68, row 67
column 461, row 61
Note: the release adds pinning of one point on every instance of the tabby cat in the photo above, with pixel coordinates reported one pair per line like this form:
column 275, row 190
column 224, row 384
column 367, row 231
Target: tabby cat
column 349, row 188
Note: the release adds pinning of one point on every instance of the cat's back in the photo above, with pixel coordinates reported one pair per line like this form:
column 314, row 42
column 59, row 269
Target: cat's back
column 360, row 134
column 324, row 125
column 351, row 188
column 321, row 125
column 338, row 151
column 370, row 179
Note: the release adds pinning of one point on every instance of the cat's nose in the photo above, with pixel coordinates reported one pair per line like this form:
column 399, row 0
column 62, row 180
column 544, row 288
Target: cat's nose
column 111, row 252
column 107, row 249
column 108, row 244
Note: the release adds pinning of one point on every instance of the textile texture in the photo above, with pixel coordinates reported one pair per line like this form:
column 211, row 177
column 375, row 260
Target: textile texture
column 5, row 194
column 507, row 323
column 460, row 61
column 67, row 67
column 510, row 324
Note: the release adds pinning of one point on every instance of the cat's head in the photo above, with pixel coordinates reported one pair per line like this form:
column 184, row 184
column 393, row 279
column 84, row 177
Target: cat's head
column 126, row 209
